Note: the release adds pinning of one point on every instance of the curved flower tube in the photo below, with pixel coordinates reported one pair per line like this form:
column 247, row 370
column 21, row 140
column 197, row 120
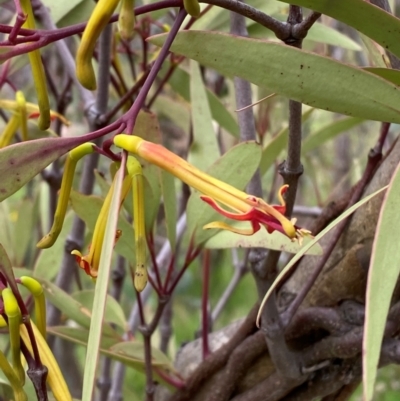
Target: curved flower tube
column 247, row 207
column 90, row 262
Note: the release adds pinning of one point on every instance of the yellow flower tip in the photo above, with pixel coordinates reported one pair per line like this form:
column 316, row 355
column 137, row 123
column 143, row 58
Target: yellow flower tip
column 282, row 190
column 130, row 143
column 85, row 74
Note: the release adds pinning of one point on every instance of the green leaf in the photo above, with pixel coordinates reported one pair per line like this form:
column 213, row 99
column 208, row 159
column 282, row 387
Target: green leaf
column 329, row 132
column 20, row 162
column 72, row 308
column 170, row 207
column 235, row 167
column 130, row 353
column 382, row 278
column 88, row 207
column 113, row 312
column 48, row 262
column 100, row 295
column 372, row 21
column 277, row 144
column 308, row 78
column 386, row 73
column 26, row 215
column 302, row 252
column 79, row 335
column 261, row 239
column 204, row 148
column 59, row 9
column 180, row 83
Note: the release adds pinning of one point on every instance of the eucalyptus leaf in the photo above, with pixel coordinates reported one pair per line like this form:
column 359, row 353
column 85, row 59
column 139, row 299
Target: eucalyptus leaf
column 204, row 149
column 277, row 144
column 329, row 132
column 180, row 83
column 261, row 239
column 387, row 73
column 20, row 162
column 71, row 308
column 306, row 77
column 100, row 295
column 383, row 274
column 113, row 312
column 170, row 206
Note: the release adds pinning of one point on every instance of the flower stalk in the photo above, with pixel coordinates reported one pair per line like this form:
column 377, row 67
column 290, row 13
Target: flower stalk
column 135, row 172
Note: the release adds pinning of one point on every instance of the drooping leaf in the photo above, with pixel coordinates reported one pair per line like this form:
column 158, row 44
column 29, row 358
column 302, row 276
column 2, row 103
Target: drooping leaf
column 113, row 312
column 204, row 148
column 387, row 73
column 72, row 308
column 79, row 335
column 277, row 144
column 329, row 132
column 382, row 278
column 308, row 78
column 300, row 254
column 48, row 262
column 59, row 9
column 235, row 167
column 367, row 18
column 170, row 206
column 261, row 239
column 179, row 82
column 20, row 162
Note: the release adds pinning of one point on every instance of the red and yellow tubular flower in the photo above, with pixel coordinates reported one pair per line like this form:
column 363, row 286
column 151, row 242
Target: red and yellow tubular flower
column 245, row 207
column 90, row 262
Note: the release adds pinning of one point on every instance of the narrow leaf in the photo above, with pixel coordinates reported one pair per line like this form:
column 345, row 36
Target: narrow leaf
column 261, row 239
column 100, row 296
column 382, row 278
column 20, row 162
column 204, row 148
column 329, row 132
column 308, row 78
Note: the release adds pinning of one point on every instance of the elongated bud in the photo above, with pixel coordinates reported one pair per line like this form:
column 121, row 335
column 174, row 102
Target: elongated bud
column 20, row 98
column 9, row 130
column 55, row 378
column 97, row 22
column 39, row 78
column 126, row 19
column 192, row 7
column 135, row 172
column 5, row 367
column 36, row 289
column 69, row 170
column 14, row 320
